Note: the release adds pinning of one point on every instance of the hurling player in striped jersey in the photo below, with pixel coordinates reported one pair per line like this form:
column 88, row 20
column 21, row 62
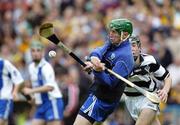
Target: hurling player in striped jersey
column 145, row 74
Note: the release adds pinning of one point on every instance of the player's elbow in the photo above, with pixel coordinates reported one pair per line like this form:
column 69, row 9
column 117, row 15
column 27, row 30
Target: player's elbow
column 111, row 83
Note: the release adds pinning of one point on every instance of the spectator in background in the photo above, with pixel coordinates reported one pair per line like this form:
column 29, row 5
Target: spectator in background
column 175, row 15
column 173, row 42
column 70, row 92
column 164, row 54
column 48, row 97
column 173, row 108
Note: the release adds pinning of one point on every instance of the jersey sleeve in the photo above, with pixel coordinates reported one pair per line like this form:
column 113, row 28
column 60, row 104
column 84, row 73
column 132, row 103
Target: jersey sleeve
column 119, row 68
column 98, row 52
column 15, row 75
column 158, row 70
column 161, row 73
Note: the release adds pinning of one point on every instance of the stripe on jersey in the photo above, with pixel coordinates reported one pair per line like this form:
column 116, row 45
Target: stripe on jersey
column 154, row 67
column 143, row 75
column 1, row 73
column 133, row 93
column 140, row 70
column 142, row 83
column 164, row 76
column 161, row 69
column 44, row 95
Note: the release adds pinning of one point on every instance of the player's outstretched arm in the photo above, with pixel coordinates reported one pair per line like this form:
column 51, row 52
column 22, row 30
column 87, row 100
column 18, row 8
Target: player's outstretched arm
column 163, row 93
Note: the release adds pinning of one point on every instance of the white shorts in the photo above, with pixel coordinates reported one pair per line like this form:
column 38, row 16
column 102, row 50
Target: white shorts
column 137, row 103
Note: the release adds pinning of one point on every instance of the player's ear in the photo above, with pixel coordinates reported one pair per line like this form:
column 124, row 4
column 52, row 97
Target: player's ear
column 125, row 34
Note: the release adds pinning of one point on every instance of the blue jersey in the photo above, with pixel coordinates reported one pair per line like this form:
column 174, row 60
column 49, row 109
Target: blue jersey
column 118, row 58
column 107, row 90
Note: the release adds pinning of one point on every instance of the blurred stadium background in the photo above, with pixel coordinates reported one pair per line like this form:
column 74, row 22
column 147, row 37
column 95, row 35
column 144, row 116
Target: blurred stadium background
column 81, row 24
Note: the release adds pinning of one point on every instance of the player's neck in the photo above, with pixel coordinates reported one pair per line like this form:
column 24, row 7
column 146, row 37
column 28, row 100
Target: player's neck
column 138, row 62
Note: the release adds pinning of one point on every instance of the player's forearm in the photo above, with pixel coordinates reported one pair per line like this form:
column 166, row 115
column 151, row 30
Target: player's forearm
column 42, row 89
column 167, row 84
column 120, row 68
column 18, row 88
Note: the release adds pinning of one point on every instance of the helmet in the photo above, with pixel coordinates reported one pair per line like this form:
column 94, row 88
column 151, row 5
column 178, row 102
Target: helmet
column 135, row 39
column 121, row 25
column 36, row 44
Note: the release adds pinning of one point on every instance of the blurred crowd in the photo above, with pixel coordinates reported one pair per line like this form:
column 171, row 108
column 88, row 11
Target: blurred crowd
column 81, row 25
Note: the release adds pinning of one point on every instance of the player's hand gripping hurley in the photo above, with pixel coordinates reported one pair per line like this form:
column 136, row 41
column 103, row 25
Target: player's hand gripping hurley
column 47, row 30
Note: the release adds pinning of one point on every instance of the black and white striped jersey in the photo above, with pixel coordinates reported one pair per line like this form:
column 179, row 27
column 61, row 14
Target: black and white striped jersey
column 145, row 75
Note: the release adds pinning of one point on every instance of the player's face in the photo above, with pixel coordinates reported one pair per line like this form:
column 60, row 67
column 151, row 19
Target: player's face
column 135, row 50
column 37, row 54
column 114, row 37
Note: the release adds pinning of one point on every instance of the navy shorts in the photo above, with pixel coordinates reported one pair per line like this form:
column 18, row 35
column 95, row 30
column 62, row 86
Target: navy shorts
column 95, row 109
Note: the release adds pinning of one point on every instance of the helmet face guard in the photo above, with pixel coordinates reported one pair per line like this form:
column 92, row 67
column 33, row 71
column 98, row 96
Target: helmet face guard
column 136, row 40
column 121, row 25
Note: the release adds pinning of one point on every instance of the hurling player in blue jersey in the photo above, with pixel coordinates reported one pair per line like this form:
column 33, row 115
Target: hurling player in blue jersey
column 107, row 90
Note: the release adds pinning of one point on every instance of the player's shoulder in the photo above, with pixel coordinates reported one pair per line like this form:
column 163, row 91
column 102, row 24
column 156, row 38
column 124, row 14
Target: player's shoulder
column 148, row 59
column 46, row 65
column 31, row 64
column 8, row 65
column 7, row 62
